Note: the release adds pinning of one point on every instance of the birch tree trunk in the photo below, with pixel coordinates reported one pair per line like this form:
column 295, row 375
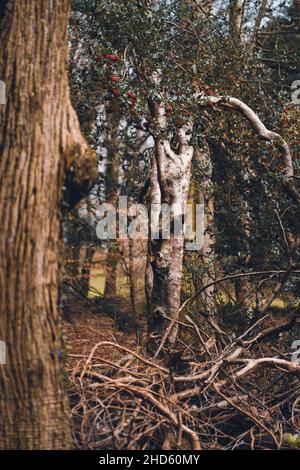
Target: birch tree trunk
column 172, row 172
column 39, row 141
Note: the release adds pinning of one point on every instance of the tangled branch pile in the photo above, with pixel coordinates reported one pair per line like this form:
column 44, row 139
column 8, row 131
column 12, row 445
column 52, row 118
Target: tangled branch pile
column 215, row 393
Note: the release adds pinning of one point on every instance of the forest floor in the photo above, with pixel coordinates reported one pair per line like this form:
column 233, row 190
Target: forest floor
column 120, row 398
column 89, row 325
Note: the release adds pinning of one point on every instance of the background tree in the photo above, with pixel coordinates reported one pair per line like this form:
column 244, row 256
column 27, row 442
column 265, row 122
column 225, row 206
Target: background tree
column 143, row 61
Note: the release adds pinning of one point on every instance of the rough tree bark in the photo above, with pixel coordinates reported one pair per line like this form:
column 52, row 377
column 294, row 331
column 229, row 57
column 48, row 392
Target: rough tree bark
column 40, row 141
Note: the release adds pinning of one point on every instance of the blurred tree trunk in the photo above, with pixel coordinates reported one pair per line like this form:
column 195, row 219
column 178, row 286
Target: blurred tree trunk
column 204, row 195
column 40, row 140
column 241, row 285
column 133, row 280
column 236, row 18
column 85, row 262
column 137, row 252
column 112, row 144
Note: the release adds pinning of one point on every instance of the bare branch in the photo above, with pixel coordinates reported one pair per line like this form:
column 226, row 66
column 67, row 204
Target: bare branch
column 259, row 18
column 263, row 133
column 254, row 364
column 232, row 276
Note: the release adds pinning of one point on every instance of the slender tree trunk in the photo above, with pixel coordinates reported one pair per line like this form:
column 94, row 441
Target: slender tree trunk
column 258, row 21
column 155, row 200
column 204, row 195
column 132, row 279
column 112, row 192
column 236, row 18
column 137, row 251
column 112, row 258
column 40, row 138
column 85, row 260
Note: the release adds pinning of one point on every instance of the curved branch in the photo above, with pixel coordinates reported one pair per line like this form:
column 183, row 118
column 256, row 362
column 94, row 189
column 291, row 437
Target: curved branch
column 263, row 133
column 254, row 364
column 259, row 18
column 191, row 299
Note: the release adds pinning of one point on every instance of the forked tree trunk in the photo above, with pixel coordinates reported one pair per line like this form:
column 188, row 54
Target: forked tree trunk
column 170, row 180
column 167, row 263
column 39, row 137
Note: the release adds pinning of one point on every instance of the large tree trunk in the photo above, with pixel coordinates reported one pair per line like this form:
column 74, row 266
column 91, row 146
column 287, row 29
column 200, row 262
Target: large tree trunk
column 40, row 138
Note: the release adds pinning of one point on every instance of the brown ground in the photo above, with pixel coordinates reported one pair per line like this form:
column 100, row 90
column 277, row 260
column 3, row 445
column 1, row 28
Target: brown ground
column 106, row 416
column 89, row 326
